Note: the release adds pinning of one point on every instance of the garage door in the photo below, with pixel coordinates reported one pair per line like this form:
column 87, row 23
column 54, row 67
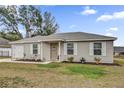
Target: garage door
column 18, row 51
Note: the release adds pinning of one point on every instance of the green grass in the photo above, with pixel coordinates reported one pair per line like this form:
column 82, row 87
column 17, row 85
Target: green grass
column 88, row 72
column 61, row 75
column 2, row 57
column 50, row 65
column 119, row 60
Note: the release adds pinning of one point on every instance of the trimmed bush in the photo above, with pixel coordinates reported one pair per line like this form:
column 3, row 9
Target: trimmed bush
column 70, row 59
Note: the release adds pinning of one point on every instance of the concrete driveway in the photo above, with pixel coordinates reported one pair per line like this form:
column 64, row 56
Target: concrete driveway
column 29, row 62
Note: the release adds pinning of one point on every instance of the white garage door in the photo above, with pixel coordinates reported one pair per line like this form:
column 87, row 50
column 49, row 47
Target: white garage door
column 18, row 51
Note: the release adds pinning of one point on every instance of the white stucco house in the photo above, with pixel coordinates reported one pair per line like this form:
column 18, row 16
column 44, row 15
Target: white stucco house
column 60, row 46
column 5, row 48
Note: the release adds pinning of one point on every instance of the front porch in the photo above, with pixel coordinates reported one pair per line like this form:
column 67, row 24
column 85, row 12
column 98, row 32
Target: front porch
column 51, row 51
column 43, row 51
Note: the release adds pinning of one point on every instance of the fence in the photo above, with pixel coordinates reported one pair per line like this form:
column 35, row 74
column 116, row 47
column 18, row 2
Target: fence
column 4, row 53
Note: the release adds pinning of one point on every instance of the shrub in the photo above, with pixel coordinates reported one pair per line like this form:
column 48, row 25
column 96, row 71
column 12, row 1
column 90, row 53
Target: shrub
column 82, row 60
column 70, row 59
column 97, row 59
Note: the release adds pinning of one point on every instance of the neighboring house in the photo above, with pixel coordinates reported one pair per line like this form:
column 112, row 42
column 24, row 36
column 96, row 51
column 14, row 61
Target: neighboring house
column 60, row 46
column 5, row 47
column 118, row 50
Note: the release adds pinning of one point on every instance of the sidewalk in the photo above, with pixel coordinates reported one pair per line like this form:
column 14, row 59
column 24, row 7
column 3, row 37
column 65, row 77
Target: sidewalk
column 29, row 62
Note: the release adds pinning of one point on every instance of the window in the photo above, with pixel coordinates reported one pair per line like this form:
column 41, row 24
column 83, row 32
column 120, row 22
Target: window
column 97, row 48
column 70, row 48
column 35, row 48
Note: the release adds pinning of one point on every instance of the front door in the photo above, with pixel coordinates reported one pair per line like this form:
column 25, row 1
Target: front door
column 54, row 53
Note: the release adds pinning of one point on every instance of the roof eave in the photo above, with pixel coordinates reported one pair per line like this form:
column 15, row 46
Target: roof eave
column 94, row 40
column 49, row 40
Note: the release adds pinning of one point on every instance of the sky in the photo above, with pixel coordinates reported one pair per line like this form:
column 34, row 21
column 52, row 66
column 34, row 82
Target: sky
column 99, row 19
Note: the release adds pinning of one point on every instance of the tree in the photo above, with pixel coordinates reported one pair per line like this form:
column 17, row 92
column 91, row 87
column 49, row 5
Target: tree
column 49, row 24
column 38, row 21
column 11, row 36
column 31, row 19
column 9, row 19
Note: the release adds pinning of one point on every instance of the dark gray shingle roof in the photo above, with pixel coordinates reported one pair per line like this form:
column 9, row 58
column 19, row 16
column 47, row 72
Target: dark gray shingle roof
column 70, row 36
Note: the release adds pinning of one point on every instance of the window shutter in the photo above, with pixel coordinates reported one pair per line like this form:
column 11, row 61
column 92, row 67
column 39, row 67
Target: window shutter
column 65, row 48
column 103, row 48
column 75, row 48
column 31, row 49
column 38, row 48
column 91, row 48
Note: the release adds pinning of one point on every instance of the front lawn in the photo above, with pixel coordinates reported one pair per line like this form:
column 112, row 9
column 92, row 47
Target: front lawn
column 3, row 57
column 61, row 75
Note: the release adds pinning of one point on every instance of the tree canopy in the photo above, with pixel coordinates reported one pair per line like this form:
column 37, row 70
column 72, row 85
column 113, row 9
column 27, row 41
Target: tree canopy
column 30, row 18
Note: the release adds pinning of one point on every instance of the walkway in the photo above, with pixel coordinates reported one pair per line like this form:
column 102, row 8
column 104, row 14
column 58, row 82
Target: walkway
column 29, row 62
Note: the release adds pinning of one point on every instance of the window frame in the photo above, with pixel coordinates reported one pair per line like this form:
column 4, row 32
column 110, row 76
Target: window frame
column 35, row 48
column 97, row 48
column 70, row 48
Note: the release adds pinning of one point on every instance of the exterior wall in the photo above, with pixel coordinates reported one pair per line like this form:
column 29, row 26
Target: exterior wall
column 17, row 51
column 45, row 51
column 5, row 51
column 27, row 50
column 83, row 51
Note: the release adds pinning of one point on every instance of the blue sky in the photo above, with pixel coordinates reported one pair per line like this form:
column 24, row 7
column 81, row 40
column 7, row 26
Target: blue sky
column 105, row 20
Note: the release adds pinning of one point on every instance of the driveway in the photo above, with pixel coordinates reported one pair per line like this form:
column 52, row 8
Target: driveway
column 29, row 62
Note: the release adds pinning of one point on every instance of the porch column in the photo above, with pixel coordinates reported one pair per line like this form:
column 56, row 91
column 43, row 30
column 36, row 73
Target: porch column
column 59, row 51
column 41, row 50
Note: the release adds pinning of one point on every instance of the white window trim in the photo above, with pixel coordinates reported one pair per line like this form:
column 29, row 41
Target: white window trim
column 35, row 48
column 72, row 48
column 91, row 48
column 104, row 49
column 75, row 48
column 97, row 48
column 65, row 48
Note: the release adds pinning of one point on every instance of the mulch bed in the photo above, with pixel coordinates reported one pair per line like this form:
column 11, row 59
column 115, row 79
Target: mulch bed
column 32, row 60
column 107, row 64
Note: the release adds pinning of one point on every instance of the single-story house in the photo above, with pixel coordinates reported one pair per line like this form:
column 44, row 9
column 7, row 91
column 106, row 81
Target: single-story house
column 118, row 50
column 5, row 47
column 61, row 46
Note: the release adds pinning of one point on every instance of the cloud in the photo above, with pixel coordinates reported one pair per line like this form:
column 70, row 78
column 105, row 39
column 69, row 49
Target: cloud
column 73, row 26
column 115, row 15
column 112, row 29
column 88, row 11
column 109, row 34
